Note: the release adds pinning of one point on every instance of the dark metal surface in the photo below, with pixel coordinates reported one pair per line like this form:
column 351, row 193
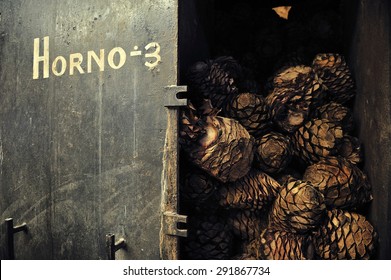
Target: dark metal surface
column 81, row 154
column 369, row 30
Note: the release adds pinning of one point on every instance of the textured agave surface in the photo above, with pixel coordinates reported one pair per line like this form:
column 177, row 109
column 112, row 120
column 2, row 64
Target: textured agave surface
column 295, row 91
column 273, row 152
column 209, row 237
column 280, row 245
column 298, row 208
column 215, row 80
column 198, row 186
column 334, row 72
column 245, row 224
column 338, row 114
column 220, row 146
column 342, row 183
column 345, row 236
column 251, row 111
column 350, row 148
column 254, row 191
column 317, row 139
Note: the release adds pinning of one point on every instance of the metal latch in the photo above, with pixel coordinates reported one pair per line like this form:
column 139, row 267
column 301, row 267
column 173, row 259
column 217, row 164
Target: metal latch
column 170, row 224
column 112, row 246
column 11, row 230
column 171, row 99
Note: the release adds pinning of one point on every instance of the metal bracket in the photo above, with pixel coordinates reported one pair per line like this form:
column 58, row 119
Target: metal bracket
column 112, row 246
column 170, row 225
column 170, row 98
column 11, row 230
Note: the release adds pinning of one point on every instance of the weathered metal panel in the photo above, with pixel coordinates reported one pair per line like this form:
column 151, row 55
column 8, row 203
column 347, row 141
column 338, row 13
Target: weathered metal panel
column 370, row 58
column 81, row 153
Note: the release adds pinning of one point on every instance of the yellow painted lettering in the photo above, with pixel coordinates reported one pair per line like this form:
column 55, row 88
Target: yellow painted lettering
column 63, row 66
column 122, row 58
column 38, row 58
column 75, row 60
column 100, row 61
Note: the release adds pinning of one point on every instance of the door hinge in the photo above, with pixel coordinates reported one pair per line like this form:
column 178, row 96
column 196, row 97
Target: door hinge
column 171, row 99
column 170, row 224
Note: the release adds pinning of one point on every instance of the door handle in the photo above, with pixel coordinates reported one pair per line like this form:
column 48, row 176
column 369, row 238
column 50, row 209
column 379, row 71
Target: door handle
column 11, row 230
column 112, row 246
